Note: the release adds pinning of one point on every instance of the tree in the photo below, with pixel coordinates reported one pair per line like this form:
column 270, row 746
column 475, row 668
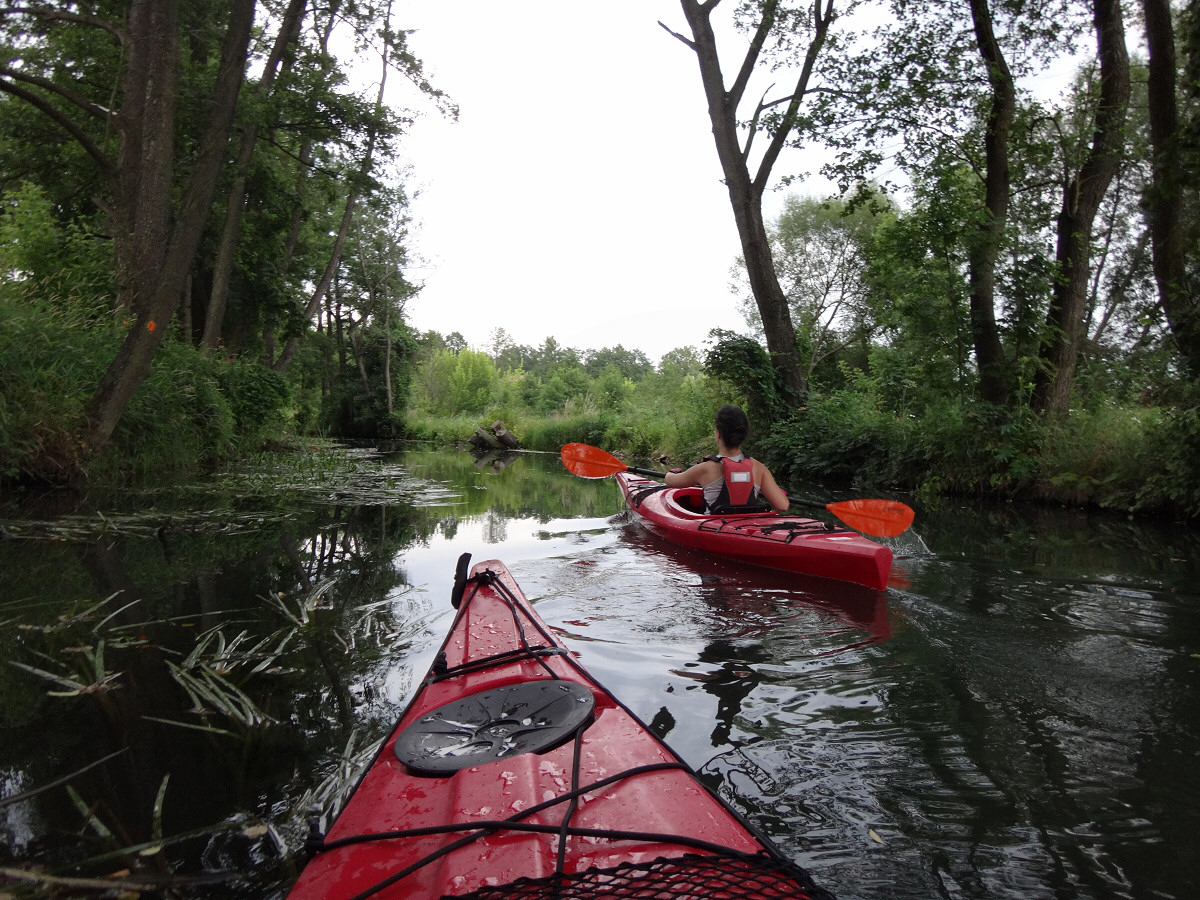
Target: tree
column 632, row 364
column 934, row 91
column 820, row 249
column 682, row 362
column 1165, row 208
column 288, row 35
column 775, row 21
column 372, row 294
column 498, row 342
column 153, row 248
column 920, row 294
column 1081, row 198
column 989, row 354
column 377, row 133
column 453, row 383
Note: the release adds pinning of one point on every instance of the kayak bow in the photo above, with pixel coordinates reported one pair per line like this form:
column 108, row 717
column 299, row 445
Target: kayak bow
column 513, row 773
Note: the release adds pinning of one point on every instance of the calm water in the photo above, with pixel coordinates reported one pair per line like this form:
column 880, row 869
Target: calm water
column 1016, row 716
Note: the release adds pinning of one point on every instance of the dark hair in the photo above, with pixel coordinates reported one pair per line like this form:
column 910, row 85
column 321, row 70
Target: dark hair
column 732, row 425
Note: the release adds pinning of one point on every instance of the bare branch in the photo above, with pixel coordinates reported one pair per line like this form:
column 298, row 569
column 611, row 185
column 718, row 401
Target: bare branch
column 752, row 53
column 676, row 34
column 821, row 21
column 753, row 126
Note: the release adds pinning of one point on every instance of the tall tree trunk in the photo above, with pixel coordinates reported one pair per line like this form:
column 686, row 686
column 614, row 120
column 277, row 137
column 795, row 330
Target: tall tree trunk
column 335, row 256
column 335, row 260
column 989, row 354
column 141, row 207
column 1164, row 203
column 214, row 319
column 1081, row 200
column 387, row 362
column 745, row 191
column 147, row 122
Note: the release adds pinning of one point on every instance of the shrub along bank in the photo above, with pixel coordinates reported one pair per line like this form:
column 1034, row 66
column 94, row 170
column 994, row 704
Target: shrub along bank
column 199, row 409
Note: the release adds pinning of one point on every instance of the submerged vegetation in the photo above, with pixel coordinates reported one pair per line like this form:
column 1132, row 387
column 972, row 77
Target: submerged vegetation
column 195, row 648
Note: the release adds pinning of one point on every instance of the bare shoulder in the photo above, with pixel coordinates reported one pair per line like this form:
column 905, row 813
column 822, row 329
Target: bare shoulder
column 762, row 473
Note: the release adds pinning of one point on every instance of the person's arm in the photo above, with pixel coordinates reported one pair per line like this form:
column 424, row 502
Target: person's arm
column 697, row 476
column 774, row 494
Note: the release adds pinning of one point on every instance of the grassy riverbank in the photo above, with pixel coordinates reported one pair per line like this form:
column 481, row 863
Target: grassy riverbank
column 1138, row 460
column 199, row 409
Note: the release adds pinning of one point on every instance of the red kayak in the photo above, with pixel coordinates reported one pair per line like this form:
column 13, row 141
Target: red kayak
column 780, row 541
column 513, row 774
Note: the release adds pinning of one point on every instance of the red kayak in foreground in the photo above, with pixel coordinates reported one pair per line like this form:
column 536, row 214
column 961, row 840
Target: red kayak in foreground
column 779, row 541
column 514, row 774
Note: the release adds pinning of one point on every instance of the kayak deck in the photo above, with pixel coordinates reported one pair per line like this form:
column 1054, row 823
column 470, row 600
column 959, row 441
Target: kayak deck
column 779, row 541
column 603, row 807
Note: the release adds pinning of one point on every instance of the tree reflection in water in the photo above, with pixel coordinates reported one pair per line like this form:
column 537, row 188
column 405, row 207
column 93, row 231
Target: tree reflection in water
column 196, row 670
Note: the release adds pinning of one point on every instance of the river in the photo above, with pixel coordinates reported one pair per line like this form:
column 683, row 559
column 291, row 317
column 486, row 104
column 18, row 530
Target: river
column 192, row 669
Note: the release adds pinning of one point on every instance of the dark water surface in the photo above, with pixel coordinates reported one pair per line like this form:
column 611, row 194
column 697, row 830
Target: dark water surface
column 1017, row 716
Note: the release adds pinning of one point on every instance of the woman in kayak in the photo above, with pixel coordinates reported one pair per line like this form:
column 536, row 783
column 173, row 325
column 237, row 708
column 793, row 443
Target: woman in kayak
column 731, row 479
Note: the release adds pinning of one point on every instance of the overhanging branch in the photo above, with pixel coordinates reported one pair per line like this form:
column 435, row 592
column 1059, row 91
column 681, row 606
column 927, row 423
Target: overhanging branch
column 93, row 109
column 50, row 14
column 106, row 165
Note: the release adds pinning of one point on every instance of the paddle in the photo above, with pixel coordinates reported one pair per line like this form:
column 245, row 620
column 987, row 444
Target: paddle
column 882, row 518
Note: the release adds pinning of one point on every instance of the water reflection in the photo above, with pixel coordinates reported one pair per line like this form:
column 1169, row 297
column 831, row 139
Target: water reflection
column 1014, row 717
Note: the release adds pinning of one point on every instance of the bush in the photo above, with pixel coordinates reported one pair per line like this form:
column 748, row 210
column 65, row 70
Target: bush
column 177, row 421
column 1173, row 482
column 52, row 359
column 445, row 431
column 742, row 361
column 846, row 435
column 190, row 411
column 549, row 434
column 1100, row 456
column 450, row 383
column 258, row 397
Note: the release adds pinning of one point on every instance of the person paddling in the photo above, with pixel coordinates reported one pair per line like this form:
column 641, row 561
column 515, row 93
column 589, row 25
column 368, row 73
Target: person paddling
column 731, row 480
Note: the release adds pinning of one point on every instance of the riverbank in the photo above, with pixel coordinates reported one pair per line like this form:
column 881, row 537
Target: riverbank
column 1132, row 461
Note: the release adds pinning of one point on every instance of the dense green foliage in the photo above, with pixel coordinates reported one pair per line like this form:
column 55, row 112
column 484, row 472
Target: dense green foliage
column 193, row 410
column 299, row 253
column 857, row 430
column 292, row 318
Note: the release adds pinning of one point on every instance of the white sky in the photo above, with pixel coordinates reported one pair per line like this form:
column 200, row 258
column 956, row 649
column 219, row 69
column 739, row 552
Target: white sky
column 579, row 195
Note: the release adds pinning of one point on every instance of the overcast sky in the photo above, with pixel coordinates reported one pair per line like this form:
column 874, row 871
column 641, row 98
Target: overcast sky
column 579, row 194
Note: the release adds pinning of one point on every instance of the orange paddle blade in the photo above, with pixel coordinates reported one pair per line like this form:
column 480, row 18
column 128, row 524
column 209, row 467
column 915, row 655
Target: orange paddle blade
column 587, row 461
column 884, row 518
